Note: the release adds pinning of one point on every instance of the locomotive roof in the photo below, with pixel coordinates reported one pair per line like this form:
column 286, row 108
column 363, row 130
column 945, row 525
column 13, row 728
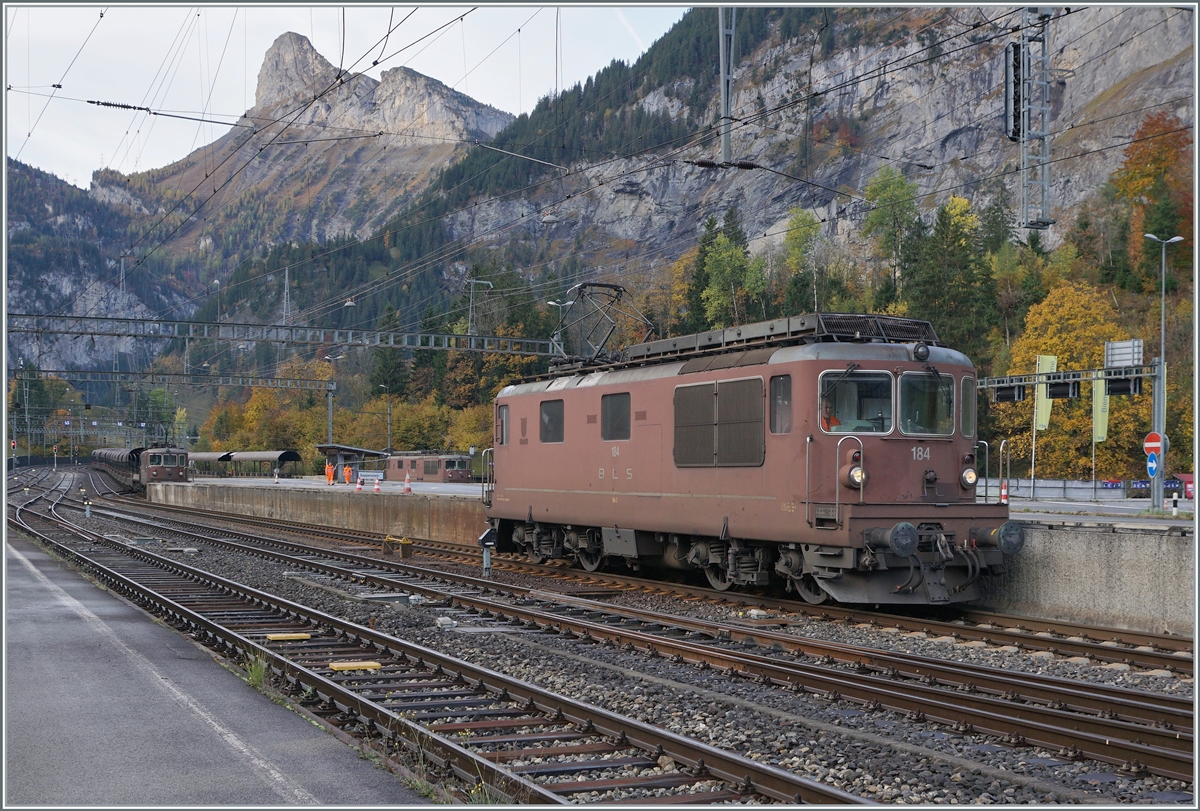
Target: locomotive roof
column 765, row 336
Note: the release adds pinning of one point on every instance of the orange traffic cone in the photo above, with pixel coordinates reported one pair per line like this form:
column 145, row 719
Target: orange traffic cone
column 1004, row 492
column 358, row 487
column 377, row 485
column 407, row 483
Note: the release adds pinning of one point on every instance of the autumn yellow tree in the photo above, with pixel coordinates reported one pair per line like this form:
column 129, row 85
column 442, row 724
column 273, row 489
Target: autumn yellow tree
column 1073, row 323
column 471, row 427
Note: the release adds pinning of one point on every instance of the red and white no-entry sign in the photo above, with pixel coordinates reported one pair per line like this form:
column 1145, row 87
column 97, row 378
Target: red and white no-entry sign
column 1153, row 443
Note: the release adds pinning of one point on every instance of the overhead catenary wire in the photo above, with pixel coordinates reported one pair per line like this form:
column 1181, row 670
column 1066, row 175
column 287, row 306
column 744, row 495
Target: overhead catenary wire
column 935, row 191
column 58, row 85
column 294, row 112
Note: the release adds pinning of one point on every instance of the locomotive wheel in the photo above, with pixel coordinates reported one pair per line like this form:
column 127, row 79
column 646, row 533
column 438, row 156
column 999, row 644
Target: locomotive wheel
column 718, row 578
column 534, row 555
column 591, row 559
column 809, row 591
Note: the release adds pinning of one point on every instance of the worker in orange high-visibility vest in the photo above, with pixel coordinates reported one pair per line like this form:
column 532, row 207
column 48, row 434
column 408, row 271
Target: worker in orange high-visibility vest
column 347, row 471
column 329, row 472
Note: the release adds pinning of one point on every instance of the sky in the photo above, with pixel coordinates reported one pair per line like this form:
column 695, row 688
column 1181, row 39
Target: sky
column 203, row 62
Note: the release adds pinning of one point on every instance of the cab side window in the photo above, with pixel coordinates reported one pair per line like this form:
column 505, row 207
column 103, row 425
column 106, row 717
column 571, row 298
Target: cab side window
column 781, row 404
column 502, row 425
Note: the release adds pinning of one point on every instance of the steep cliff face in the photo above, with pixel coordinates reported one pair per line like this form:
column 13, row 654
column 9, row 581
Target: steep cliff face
column 60, row 243
column 323, row 154
column 934, row 116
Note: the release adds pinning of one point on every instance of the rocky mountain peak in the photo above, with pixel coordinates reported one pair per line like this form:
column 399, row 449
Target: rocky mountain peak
column 291, row 69
column 403, row 102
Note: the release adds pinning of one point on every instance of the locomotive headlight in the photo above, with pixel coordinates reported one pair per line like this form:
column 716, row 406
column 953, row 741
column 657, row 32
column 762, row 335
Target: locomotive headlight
column 969, row 477
column 853, row 475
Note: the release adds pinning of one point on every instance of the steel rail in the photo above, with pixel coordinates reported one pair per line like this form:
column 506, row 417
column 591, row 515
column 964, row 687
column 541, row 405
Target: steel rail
column 1164, row 751
column 443, row 752
column 1170, row 642
column 1169, row 712
column 1167, row 660
column 1021, row 631
column 702, row 759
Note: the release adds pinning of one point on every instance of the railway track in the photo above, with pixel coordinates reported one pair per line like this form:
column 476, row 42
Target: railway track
column 1134, row 730
column 1135, row 648
column 1103, row 645
column 511, row 741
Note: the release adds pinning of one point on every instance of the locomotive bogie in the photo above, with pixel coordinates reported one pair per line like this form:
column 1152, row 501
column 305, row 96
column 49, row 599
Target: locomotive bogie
column 843, row 469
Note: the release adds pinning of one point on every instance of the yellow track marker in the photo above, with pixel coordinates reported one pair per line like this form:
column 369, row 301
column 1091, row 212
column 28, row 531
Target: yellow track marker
column 355, row 666
column 287, row 637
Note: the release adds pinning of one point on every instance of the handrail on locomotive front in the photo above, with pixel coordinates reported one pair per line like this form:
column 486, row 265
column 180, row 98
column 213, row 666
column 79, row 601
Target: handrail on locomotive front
column 487, row 479
column 1001, row 475
column 986, row 467
column 837, row 479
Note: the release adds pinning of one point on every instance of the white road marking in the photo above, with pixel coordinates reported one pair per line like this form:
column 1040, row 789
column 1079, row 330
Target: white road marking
column 275, row 779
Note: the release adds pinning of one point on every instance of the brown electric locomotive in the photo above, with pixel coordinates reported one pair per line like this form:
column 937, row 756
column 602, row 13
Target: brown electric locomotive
column 137, row 467
column 834, row 452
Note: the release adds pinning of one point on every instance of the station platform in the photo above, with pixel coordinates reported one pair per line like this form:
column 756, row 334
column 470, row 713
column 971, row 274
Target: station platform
column 105, row 707
column 318, row 483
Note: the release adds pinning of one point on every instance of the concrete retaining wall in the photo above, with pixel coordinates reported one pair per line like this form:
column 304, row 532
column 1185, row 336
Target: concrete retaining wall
column 1142, row 579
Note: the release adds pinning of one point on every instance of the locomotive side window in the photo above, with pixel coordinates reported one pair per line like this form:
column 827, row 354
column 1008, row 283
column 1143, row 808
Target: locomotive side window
column 781, row 404
column 502, row 425
column 859, row 402
column 968, row 406
column 614, row 416
column 926, row 404
column 740, row 429
column 552, row 421
column 695, row 415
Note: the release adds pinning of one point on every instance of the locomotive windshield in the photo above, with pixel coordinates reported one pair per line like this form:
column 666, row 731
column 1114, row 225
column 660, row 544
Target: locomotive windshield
column 927, row 404
column 856, row 402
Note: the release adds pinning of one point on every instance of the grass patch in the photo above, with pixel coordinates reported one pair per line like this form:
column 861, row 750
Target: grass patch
column 257, row 670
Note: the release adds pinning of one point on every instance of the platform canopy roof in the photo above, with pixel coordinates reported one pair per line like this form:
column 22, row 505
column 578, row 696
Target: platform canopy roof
column 209, row 456
column 277, row 457
column 329, row 449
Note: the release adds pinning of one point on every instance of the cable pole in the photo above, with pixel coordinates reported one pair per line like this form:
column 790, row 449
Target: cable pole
column 1035, row 119
column 471, row 305
column 725, row 34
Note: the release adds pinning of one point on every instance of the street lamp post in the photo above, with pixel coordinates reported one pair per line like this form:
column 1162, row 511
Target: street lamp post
column 1160, row 381
column 329, row 402
column 388, row 396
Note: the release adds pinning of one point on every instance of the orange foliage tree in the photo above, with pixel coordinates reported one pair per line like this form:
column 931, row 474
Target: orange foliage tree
column 1073, row 323
column 1156, row 178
